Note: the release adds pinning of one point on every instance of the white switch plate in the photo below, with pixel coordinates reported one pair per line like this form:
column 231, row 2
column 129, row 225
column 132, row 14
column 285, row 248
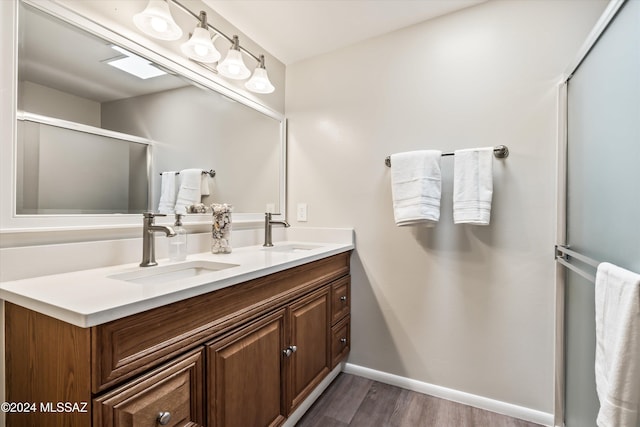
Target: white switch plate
column 302, row 212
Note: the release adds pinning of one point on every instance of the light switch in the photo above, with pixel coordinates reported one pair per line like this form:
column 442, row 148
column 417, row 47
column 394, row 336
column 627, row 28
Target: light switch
column 302, row 212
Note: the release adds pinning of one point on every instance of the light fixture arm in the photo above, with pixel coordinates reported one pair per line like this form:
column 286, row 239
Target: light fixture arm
column 202, row 20
column 214, row 29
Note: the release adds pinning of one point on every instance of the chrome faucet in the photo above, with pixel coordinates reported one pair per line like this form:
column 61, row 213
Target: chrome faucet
column 268, row 222
column 148, row 240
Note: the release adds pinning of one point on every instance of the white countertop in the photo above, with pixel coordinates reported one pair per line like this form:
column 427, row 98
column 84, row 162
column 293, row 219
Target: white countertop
column 90, row 297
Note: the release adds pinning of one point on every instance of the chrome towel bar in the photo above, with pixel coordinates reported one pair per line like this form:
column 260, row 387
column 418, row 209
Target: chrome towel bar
column 501, row 152
column 210, row 172
column 563, row 254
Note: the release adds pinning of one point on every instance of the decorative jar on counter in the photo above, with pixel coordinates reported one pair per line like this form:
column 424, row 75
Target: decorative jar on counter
column 221, row 228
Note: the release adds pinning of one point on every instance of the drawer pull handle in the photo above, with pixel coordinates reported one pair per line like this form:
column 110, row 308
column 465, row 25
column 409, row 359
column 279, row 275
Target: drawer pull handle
column 343, row 298
column 164, row 418
column 343, row 340
column 290, row 350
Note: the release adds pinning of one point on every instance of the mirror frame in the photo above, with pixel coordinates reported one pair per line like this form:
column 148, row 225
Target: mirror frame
column 12, row 223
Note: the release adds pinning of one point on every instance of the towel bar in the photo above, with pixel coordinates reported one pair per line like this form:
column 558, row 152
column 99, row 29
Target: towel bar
column 501, row 152
column 210, row 172
column 563, row 254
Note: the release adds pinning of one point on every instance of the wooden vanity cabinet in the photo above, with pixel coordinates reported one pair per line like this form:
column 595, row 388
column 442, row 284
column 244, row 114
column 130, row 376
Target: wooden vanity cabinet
column 246, row 355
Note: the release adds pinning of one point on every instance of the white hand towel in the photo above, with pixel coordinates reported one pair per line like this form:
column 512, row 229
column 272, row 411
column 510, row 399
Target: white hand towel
column 617, row 346
column 416, row 187
column 190, row 191
column 167, row 204
column 204, row 184
column 472, row 186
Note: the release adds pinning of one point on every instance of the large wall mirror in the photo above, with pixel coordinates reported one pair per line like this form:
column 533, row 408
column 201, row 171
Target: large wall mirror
column 93, row 139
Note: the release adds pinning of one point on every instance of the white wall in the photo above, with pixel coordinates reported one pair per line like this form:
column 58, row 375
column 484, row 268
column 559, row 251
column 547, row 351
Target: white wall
column 463, row 307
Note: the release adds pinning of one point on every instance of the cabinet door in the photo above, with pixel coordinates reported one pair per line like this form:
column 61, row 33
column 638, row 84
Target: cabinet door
column 309, row 361
column 245, row 375
column 169, row 396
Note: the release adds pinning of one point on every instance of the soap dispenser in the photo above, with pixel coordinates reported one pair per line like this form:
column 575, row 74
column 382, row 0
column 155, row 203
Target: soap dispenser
column 178, row 243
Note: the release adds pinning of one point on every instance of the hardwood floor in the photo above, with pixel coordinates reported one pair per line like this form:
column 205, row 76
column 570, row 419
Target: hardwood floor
column 355, row 401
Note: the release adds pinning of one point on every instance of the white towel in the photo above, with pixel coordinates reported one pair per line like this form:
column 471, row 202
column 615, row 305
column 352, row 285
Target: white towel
column 190, row 191
column 617, row 346
column 204, row 184
column 416, row 187
column 167, row 204
column 472, row 186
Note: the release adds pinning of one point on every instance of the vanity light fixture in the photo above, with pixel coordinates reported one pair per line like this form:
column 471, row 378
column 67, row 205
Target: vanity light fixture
column 233, row 66
column 156, row 21
column 200, row 46
column 259, row 81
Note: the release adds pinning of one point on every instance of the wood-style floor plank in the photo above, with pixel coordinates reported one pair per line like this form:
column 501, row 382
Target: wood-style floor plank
column 379, row 405
column 359, row 402
column 340, row 400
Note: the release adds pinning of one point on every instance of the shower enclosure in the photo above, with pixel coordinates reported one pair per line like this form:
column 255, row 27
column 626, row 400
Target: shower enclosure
column 599, row 195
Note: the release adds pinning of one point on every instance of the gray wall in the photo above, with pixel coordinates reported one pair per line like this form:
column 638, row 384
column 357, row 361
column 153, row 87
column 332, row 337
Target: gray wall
column 463, row 307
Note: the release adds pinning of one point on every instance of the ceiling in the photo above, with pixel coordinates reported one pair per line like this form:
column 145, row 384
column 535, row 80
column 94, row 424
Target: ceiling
column 293, row 30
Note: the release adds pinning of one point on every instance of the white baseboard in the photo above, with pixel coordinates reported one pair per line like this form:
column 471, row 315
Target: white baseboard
column 476, row 401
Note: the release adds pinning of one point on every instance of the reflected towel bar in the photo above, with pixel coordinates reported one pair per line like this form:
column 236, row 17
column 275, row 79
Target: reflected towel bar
column 562, row 257
column 501, row 152
column 210, row 172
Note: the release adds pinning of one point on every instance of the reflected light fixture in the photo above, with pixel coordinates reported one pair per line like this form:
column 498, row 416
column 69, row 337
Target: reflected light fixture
column 233, row 66
column 259, row 81
column 156, row 21
column 200, row 46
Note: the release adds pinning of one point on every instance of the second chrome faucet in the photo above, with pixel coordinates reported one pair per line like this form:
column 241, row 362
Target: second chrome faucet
column 268, row 222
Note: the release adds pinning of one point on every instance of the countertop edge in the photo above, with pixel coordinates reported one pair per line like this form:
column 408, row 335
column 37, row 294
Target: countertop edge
column 87, row 320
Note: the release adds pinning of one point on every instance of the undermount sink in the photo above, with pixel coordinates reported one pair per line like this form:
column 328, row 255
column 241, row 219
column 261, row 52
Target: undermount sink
column 291, row 248
column 171, row 273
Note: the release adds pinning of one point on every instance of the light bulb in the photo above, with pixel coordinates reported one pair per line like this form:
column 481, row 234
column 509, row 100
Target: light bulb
column 159, row 24
column 200, row 50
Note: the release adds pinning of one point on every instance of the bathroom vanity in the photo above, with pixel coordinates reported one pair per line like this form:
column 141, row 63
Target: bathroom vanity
column 243, row 346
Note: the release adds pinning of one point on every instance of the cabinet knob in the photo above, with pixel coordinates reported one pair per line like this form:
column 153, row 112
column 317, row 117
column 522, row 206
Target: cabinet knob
column 164, row 418
column 343, row 340
column 343, row 298
column 290, row 350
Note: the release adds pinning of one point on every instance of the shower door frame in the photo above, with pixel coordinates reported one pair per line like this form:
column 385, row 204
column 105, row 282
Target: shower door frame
column 561, row 201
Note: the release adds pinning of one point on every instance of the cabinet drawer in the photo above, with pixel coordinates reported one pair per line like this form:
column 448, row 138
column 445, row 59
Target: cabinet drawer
column 340, row 341
column 173, row 392
column 340, row 299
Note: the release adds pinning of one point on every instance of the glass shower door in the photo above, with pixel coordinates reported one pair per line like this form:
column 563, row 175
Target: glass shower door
column 603, row 191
